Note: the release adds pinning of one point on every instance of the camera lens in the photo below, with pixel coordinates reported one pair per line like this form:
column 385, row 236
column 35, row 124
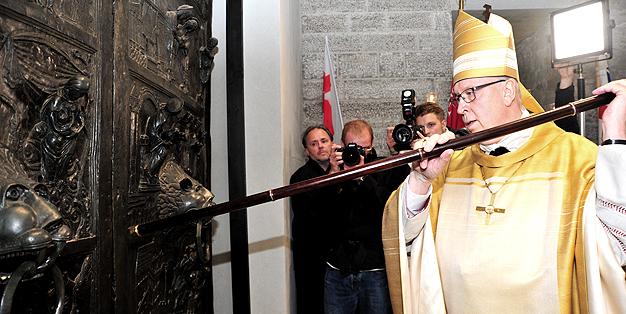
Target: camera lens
column 402, row 134
column 351, row 154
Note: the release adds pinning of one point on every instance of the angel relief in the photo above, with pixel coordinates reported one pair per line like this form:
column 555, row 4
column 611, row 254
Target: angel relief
column 46, row 87
column 52, row 142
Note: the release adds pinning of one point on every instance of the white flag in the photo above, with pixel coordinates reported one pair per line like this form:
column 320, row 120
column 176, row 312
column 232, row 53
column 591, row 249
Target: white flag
column 330, row 105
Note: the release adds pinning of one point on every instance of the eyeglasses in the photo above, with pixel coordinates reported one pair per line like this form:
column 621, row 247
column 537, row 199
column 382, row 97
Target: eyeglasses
column 469, row 94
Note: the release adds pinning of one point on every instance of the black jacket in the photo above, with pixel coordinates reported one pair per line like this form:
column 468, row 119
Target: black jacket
column 358, row 210
column 310, row 212
column 563, row 97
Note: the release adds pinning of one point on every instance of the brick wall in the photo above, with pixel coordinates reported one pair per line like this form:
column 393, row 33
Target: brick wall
column 380, row 47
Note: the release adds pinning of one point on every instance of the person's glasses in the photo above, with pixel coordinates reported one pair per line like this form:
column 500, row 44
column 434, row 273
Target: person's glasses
column 469, row 94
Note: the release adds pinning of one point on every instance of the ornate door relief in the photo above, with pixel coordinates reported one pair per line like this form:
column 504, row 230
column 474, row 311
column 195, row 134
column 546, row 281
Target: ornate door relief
column 99, row 131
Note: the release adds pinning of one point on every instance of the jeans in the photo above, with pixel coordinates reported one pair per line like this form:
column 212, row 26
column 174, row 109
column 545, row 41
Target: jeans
column 364, row 291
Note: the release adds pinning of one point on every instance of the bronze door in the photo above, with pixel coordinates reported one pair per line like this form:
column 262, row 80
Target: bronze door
column 104, row 124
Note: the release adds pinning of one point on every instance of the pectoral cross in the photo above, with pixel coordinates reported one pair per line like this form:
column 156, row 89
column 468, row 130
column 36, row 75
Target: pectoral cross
column 490, row 209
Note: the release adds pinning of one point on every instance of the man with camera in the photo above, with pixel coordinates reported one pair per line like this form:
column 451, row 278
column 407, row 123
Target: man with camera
column 355, row 275
column 310, row 211
column 430, row 119
column 422, row 120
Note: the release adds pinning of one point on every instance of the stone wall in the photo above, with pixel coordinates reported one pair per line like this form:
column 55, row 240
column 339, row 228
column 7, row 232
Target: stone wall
column 380, row 47
column 534, row 60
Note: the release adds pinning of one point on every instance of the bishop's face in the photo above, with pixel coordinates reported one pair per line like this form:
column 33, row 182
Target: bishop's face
column 483, row 103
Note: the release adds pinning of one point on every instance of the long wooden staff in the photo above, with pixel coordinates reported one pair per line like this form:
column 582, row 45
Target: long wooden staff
column 401, row 159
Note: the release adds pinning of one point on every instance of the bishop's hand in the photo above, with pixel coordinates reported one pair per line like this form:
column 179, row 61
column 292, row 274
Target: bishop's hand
column 614, row 117
column 426, row 171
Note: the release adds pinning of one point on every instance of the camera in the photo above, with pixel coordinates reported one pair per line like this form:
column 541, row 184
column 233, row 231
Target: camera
column 351, row 154
column 404, row 133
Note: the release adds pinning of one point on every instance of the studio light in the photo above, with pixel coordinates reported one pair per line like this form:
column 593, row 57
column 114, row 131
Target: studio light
column 581, row 34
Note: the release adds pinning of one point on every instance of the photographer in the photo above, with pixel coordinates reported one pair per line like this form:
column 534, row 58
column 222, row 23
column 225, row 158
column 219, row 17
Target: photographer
column 429, row 119
column 355, row 274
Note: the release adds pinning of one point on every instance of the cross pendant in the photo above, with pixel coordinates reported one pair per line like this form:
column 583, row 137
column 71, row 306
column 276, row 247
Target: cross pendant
column 490, row 209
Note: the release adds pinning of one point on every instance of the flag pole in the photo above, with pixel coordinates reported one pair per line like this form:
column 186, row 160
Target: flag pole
column 332, row 78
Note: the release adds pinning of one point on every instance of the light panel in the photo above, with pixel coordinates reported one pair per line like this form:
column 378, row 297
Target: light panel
column 581, row 34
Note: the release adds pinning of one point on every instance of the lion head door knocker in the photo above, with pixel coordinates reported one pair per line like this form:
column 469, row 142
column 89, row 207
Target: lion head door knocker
column 32, row 232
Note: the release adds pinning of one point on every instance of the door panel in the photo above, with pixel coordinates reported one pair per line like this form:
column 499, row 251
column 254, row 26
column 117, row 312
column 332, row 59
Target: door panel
column 102, row 110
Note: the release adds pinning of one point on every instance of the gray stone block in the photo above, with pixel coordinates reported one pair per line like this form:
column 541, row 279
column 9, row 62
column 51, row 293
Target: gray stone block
column 357, row 65
column 429, row 63
column 442, row 87
column 390, row 42
column 312, row 89
column 312, row 43
column 408, row 5
column 442, row 21
column 411, row 21
column 435, row 40
column 313, row 114
column 381, row 89
column 313, row 66
column 391, row 64
column 325, row 23
column 368, row 22
column 321, row 6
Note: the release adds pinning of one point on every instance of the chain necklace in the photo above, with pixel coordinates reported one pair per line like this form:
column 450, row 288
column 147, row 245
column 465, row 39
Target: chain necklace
column 490, row 209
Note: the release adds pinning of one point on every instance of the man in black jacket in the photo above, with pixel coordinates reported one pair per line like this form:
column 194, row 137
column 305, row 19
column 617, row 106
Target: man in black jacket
column 310, row 213
column 355, row 274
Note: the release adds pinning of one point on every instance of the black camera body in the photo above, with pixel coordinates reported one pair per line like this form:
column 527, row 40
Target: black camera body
column 351, row 154
column 404, row 133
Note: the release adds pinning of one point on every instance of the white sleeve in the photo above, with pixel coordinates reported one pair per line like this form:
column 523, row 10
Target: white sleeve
column 414, row 210
column 610, row 184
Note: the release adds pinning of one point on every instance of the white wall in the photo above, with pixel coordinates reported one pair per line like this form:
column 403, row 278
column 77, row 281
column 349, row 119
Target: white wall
column 222, row 279
column 272, row 88
column 291, row 95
